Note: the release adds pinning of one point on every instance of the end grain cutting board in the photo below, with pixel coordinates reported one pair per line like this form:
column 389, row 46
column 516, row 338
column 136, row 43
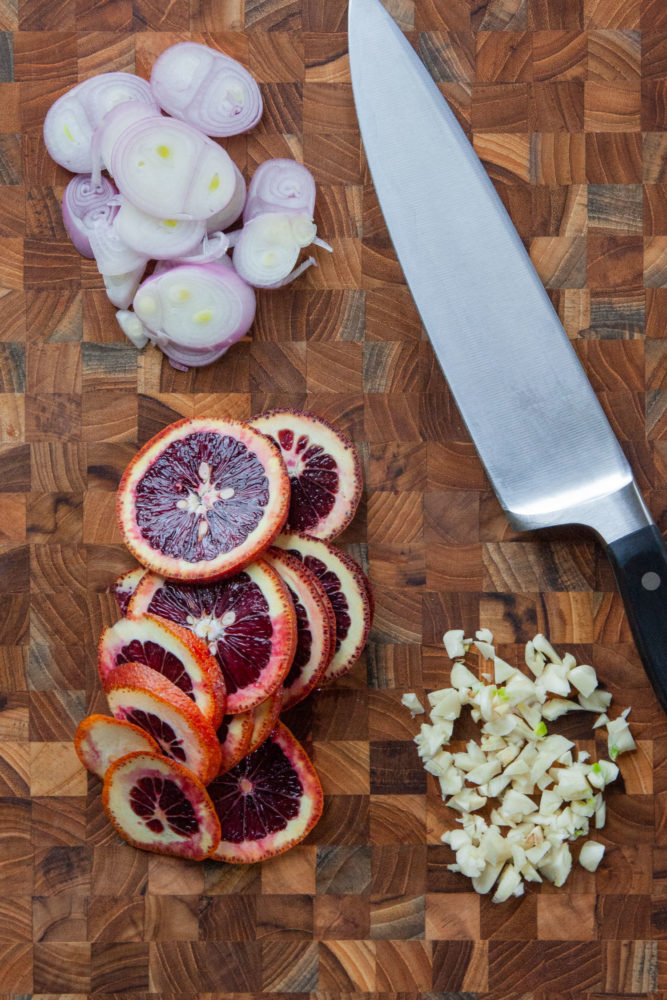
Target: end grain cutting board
column 566, row 102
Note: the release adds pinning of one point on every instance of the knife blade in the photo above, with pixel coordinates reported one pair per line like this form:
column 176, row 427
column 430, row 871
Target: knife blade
column 540, row 431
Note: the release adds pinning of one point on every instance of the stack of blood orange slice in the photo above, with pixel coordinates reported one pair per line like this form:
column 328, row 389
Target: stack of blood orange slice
column 241, row 607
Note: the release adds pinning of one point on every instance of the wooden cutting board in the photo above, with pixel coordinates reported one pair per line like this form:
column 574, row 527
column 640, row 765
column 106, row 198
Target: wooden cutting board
column 566, row 102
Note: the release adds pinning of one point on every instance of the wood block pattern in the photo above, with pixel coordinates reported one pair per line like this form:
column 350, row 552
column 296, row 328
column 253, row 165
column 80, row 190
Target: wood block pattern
column 565, row 102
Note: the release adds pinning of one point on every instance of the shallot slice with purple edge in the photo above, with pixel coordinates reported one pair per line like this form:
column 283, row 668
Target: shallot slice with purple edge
column 170, row 170
column 280, row 185
column 112, row 126
column 121, row 267
column 207, row 89
column 72, row 120
column 195, row 312
column 266, row 250
column 159, row 239
column 85, row 204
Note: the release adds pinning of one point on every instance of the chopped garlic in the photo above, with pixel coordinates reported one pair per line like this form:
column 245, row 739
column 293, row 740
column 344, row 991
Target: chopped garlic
column 516, row 806
column 453, row 640
column 470, row 861
column 600, row 815
column 431, row 738
column 486, row 649
column 447, row 704
column 467, row 800
column 439, row 764
column 542, row 645
column 515, row 758
column 619, row 737
column 502, row 671
column 557, row 864
column 413, row 704
column 451, row 783
column 572, row 784
column 483, row 772
column 591, row 855
column 456, row 839
column 509, row 882
column 461, row 678
column 602, row 773
column 559, row 706
column 598, row 701
column 485, row 882
column 584, row 679
column 520, row 688
column 554, row 681
column 534, row 661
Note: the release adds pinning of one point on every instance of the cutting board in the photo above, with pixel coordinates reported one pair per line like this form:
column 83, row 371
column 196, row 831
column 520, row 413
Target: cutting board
column 566, row 103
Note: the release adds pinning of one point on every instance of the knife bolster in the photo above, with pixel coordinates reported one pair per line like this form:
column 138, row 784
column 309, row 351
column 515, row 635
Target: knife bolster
column 611, row 516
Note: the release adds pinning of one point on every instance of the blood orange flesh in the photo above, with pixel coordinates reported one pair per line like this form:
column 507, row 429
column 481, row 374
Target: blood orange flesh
column 348, row 590
column 170, row 650
column 323, row 467
column 201, row 498
column 143, row 697
column 247, row 621
column 100, row 740
column 264, row 718
column 123, row 588
column 267, row 803
column 315, row 633
column 234, row 733
column 159, row 805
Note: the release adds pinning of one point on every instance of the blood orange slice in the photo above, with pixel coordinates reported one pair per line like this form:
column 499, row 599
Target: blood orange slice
column 348, row 590
column 202, row 498
column 323, row 467
column 315, row 631
column 268, row 803
column 234, row 733
column 168, row 649
column 100, row 740
column 247, row 621
column 123, row 588
column 158, row 805
column 143, row 697
column 264, row 719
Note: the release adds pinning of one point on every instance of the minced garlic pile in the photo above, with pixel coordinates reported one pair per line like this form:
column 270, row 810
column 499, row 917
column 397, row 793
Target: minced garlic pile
column 515, row 759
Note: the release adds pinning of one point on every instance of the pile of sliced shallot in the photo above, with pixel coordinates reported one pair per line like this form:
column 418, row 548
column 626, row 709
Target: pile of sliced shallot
column 537, row 797
column 170, row 196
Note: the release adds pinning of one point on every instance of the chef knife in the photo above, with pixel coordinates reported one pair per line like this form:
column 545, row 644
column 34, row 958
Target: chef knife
column 540, row 431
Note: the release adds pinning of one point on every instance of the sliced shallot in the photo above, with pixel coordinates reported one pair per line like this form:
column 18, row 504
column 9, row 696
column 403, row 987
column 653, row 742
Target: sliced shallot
column 195, row 312
column 71, row 120
column 280, row 186
column 112, row 126
column 170, row 170
column 132, row 327
column 207, row 89
column 267, row 248
column 228, row 215
column 121, row 267
column 121, row 288
column 85, row 203
column 161, row 239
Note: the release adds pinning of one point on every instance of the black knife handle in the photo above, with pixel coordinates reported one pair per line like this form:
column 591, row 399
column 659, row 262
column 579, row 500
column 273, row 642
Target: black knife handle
column 639, row 561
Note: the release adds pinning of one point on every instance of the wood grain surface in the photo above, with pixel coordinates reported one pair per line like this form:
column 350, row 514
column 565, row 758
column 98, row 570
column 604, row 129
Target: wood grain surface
column 566, row 104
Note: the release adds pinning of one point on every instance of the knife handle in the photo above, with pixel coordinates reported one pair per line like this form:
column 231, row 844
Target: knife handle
column 639, row 561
